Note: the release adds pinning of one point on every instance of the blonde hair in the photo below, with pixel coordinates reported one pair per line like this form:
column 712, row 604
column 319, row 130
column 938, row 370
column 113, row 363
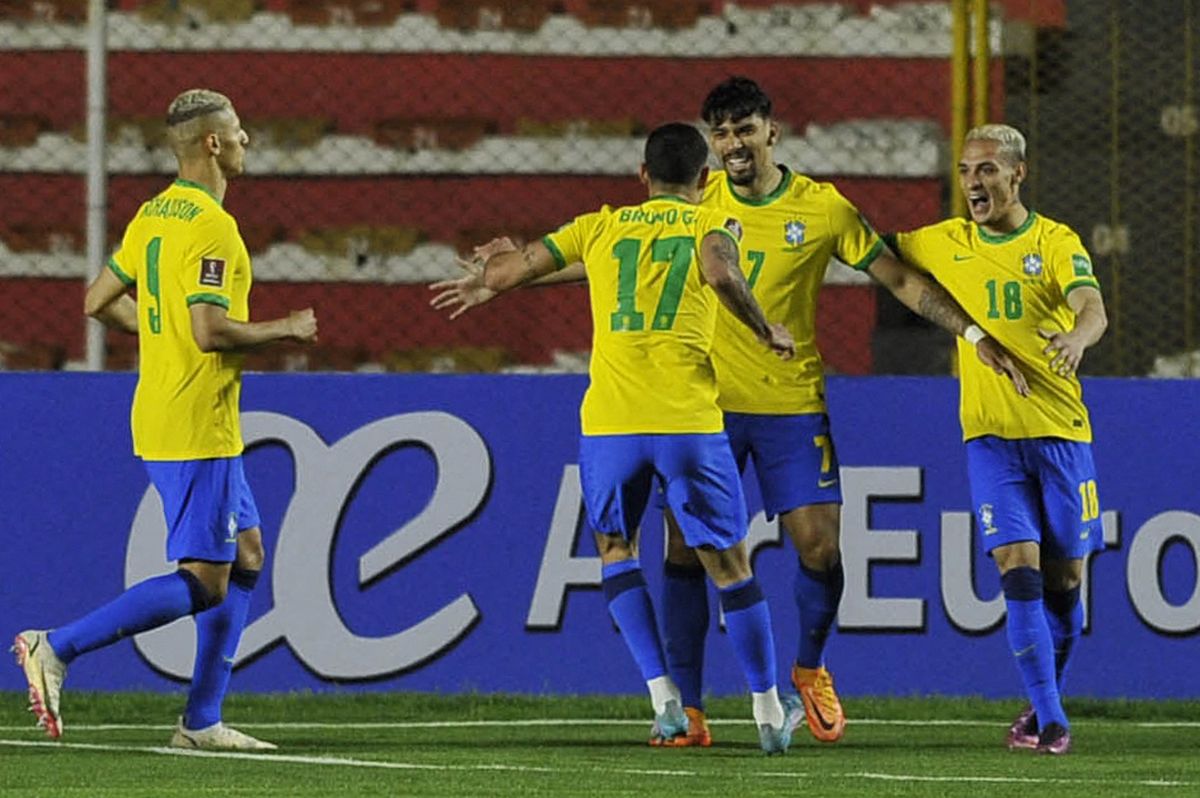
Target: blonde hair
column 1012, row 143
column 195, row 103
column 190, row 117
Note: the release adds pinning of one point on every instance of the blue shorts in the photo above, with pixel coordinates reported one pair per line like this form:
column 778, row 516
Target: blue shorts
column 697, row 472
column 206, row 502
column 794, row 458
column 1036, row 489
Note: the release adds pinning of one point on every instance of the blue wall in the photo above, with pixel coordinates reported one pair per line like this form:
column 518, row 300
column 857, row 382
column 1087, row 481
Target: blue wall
column 423, row 534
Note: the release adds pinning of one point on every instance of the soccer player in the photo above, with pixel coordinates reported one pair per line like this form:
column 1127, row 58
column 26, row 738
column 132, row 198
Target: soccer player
column 656, row 274
column 1029, row 460
column 191, row 270
column 774, row 409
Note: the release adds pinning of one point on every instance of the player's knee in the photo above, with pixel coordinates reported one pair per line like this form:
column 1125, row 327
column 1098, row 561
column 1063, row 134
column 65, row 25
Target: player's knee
column 1062, row 576
column 819, row 551
column 205, row 593
column 679, row 553
column 250, row 552
column 1022, row 584
column 612, row 548
column 815, row 532
column 245, row 578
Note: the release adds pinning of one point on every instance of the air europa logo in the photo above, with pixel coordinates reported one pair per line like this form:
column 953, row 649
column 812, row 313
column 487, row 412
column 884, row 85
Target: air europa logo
column 304, row 612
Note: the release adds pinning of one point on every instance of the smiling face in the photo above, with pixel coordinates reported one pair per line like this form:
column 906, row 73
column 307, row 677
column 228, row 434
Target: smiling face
column 744, row 147
column 991, row 182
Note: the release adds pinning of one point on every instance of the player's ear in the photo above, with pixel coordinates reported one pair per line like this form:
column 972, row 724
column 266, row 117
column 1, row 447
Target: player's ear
column 773, row 134
column 702, row 178
column 1019, row 174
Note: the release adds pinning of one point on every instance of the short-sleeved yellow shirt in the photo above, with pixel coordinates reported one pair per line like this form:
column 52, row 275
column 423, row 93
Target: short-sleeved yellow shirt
column 1012, row 285
column 653, row 316
column 182, row 248
column 790, row 236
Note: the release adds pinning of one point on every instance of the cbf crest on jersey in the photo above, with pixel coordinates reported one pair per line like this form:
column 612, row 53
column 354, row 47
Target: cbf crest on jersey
column 793, row 232
column 987, row 517
column 1032, row 264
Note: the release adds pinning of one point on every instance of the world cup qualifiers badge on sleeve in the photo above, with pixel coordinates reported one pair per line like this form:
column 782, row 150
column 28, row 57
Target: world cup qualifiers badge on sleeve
column 212, row 272
column 734, row 227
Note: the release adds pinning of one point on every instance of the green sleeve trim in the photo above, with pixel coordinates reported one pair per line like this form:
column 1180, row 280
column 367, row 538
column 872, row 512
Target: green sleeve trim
column 1089, row 282
column 875, row 252
column 892, row 240
column 121, row 275
column 559, row 261
column 208, row 299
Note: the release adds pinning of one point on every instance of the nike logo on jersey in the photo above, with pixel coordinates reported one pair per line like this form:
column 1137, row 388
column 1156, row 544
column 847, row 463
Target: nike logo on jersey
column 826, row 483
column 1024, row 651
column 963, row 257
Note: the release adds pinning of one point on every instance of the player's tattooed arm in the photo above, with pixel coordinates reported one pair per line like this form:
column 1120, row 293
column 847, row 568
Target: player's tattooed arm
column 505, row 270
column 919, row 293
column 931, row 300
column 719, row 256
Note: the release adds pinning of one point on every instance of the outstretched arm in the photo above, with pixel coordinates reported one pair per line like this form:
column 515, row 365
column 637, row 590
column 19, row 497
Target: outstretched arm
column 507, row 270
column 108, row 302
column 719, row 264
column 463, row 293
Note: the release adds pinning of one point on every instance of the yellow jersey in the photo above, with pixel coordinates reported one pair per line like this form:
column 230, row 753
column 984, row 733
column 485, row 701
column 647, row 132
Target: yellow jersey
column 1012, row 285
column 653, row 316
column 183, row 248
column 790, row 236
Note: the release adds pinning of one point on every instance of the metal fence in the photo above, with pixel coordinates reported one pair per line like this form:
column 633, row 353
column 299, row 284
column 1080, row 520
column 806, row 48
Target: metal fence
column 387, row 135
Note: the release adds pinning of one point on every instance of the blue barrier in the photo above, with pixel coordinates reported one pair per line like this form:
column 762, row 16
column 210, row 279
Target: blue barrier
column 423, row 534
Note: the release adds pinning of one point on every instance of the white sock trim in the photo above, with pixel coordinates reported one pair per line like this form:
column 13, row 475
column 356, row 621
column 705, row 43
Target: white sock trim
column 767, row 708
column 663, row 689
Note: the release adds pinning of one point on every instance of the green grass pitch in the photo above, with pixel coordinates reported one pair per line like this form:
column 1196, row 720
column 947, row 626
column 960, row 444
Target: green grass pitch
column 483, row 745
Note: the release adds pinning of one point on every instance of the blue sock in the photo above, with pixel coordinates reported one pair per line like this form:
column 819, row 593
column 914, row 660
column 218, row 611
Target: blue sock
column 748, row 622
column 629, row 604
column 217, row 634
column 1029, row 638
column 685, row 626
column 147, row 605
column 1064, row 614
column 818, row 594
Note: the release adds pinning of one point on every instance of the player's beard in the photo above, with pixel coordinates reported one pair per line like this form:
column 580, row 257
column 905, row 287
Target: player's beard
column 745, row 176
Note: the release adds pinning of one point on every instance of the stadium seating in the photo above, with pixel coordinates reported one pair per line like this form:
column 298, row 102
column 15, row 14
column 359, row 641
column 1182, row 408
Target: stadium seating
column 420, row 106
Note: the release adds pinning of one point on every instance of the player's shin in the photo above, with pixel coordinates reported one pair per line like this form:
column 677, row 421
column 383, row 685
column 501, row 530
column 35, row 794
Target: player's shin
column 1029, row 638
column 1064, row 614
column 685, row 627
column 218, row 632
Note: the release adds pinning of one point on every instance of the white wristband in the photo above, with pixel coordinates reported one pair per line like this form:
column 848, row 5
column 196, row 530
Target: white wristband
column 974, row 334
